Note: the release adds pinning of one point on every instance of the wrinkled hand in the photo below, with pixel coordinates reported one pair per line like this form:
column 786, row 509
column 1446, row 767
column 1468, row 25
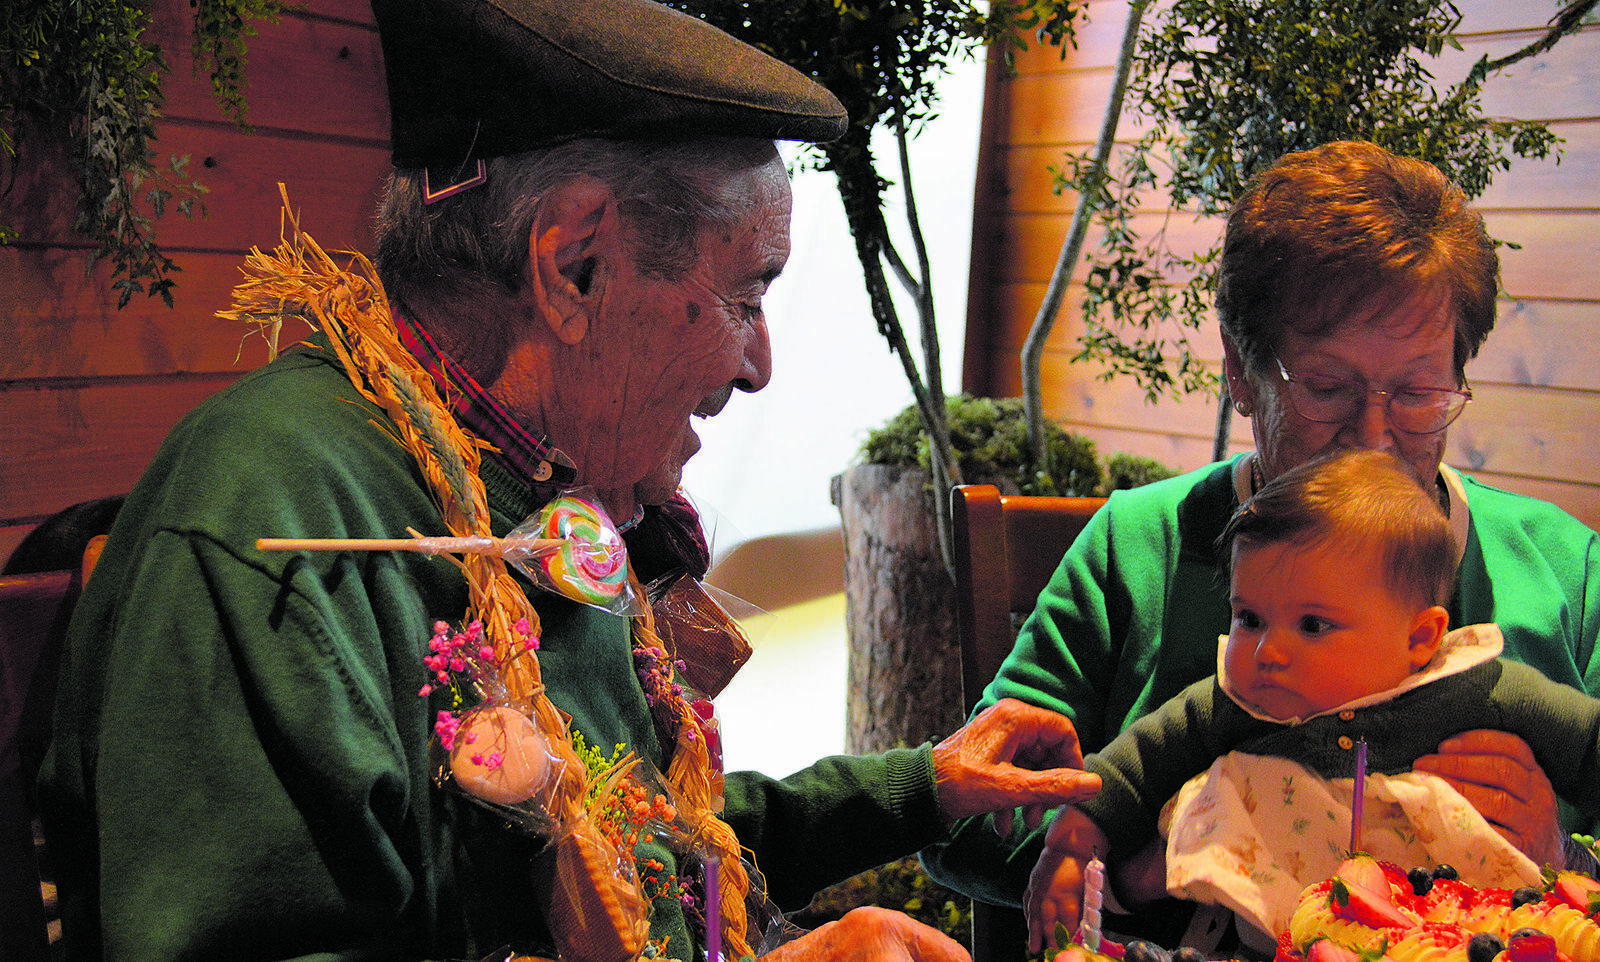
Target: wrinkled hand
column 1496, row 772
column 1055, row 887
column 872, row 934
column 1013, row 754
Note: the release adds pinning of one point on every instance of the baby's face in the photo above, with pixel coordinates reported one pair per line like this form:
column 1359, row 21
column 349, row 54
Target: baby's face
column 1315, row 626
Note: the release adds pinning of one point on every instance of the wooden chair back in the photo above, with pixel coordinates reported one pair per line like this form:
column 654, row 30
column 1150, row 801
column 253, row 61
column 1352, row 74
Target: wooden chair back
column 34, row 610
column 1006, row 549
column 35, row 607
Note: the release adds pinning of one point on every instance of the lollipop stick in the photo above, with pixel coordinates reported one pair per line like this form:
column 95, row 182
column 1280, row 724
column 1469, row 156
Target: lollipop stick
column 523, row 547
column 713, row 911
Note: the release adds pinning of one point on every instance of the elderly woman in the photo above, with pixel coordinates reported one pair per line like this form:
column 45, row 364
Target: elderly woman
column 1354, row 288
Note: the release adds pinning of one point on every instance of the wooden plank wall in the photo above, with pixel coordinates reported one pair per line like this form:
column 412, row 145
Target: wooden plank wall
column 88, row 391
column 1533, row 424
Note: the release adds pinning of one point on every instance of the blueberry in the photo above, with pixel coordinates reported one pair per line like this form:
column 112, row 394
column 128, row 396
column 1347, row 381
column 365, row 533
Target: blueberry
column 1484, row 947
column 1421, row 880
column 1519, row 933
column 1141, row 951
column 1446, row 871
column 1526, row 895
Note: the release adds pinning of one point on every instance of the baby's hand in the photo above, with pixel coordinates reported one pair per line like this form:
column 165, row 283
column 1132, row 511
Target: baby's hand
column 1055, row 888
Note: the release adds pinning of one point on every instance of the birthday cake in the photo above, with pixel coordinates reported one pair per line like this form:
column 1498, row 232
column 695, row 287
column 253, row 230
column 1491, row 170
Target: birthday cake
column 1371, row 911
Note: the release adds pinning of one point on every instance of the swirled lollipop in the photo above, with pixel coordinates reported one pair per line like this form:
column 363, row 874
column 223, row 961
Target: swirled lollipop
column 591, row 565
column 569, row 547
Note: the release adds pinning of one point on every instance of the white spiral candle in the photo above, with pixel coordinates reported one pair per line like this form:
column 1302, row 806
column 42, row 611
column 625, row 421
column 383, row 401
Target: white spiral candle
column 1094, row 882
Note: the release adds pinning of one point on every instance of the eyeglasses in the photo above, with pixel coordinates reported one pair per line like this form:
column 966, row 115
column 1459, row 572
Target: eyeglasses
column 1333, row 400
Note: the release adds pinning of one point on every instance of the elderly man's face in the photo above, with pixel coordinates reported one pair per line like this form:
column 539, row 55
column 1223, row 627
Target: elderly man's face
column 661, row 352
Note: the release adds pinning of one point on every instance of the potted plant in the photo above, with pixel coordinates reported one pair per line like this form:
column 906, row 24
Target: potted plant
column 905, row 665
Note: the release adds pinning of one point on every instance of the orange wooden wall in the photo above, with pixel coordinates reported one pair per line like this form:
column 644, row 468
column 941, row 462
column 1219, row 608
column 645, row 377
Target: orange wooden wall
column 1534, row 424
column 87, row 392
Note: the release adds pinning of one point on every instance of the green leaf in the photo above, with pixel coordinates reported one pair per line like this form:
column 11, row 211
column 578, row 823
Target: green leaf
column 1224, row 88
column 86, row 68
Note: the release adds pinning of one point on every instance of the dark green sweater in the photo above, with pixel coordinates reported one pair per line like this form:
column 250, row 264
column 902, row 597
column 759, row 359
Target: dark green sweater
column 241, row 763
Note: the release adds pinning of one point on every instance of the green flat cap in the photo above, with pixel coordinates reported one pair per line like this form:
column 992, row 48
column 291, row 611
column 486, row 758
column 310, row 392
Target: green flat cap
column 472, row 79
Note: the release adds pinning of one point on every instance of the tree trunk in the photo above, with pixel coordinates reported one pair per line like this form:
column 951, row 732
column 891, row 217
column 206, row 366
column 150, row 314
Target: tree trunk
column 905, row 663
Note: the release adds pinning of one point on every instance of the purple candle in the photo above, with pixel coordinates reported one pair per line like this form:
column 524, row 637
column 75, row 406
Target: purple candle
column 1359, row 796
column 713, row 912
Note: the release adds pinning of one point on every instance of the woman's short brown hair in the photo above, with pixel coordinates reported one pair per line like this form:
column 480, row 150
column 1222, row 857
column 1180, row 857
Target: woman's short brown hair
column 1345, row 230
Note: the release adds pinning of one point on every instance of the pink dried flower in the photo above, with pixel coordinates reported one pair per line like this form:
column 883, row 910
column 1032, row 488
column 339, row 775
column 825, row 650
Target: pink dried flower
column 445, row 726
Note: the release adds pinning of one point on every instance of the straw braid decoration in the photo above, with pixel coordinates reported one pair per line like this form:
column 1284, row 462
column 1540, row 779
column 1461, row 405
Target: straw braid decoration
column 299, row 279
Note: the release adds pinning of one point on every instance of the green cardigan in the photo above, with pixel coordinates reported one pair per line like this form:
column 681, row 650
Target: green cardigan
column 1132, row 616
column 241, row 761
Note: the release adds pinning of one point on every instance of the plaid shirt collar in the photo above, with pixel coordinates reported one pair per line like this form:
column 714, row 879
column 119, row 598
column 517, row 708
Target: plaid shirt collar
column 530, row 458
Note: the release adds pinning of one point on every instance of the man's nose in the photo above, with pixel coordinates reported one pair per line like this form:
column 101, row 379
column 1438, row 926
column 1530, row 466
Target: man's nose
column 756, row 371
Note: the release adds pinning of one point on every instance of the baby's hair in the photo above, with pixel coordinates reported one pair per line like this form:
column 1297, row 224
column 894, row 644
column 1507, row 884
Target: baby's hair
column 1359, row 498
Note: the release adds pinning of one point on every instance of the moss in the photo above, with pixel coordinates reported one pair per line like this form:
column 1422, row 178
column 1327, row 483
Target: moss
column 990, row 438
column 1125, row 470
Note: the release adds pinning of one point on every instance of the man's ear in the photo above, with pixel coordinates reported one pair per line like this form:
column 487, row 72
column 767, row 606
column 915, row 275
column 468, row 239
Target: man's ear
column 1427, row 631
column 571, row 250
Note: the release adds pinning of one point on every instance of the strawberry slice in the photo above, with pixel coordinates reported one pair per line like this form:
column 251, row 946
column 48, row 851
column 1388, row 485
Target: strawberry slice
column 1363, row 871
column 1324, row 951
column 1577, row 890
column 1362, row 894
column 1361, row 906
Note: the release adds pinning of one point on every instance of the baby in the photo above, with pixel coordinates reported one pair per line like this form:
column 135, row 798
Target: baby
column 1338, row 645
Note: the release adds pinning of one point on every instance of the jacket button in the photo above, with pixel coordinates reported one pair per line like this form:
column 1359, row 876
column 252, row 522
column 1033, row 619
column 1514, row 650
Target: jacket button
column 1347, row 715
column 1345, row 741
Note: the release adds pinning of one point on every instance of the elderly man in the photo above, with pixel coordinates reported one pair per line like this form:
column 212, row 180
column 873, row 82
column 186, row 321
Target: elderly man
column 575, row 247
